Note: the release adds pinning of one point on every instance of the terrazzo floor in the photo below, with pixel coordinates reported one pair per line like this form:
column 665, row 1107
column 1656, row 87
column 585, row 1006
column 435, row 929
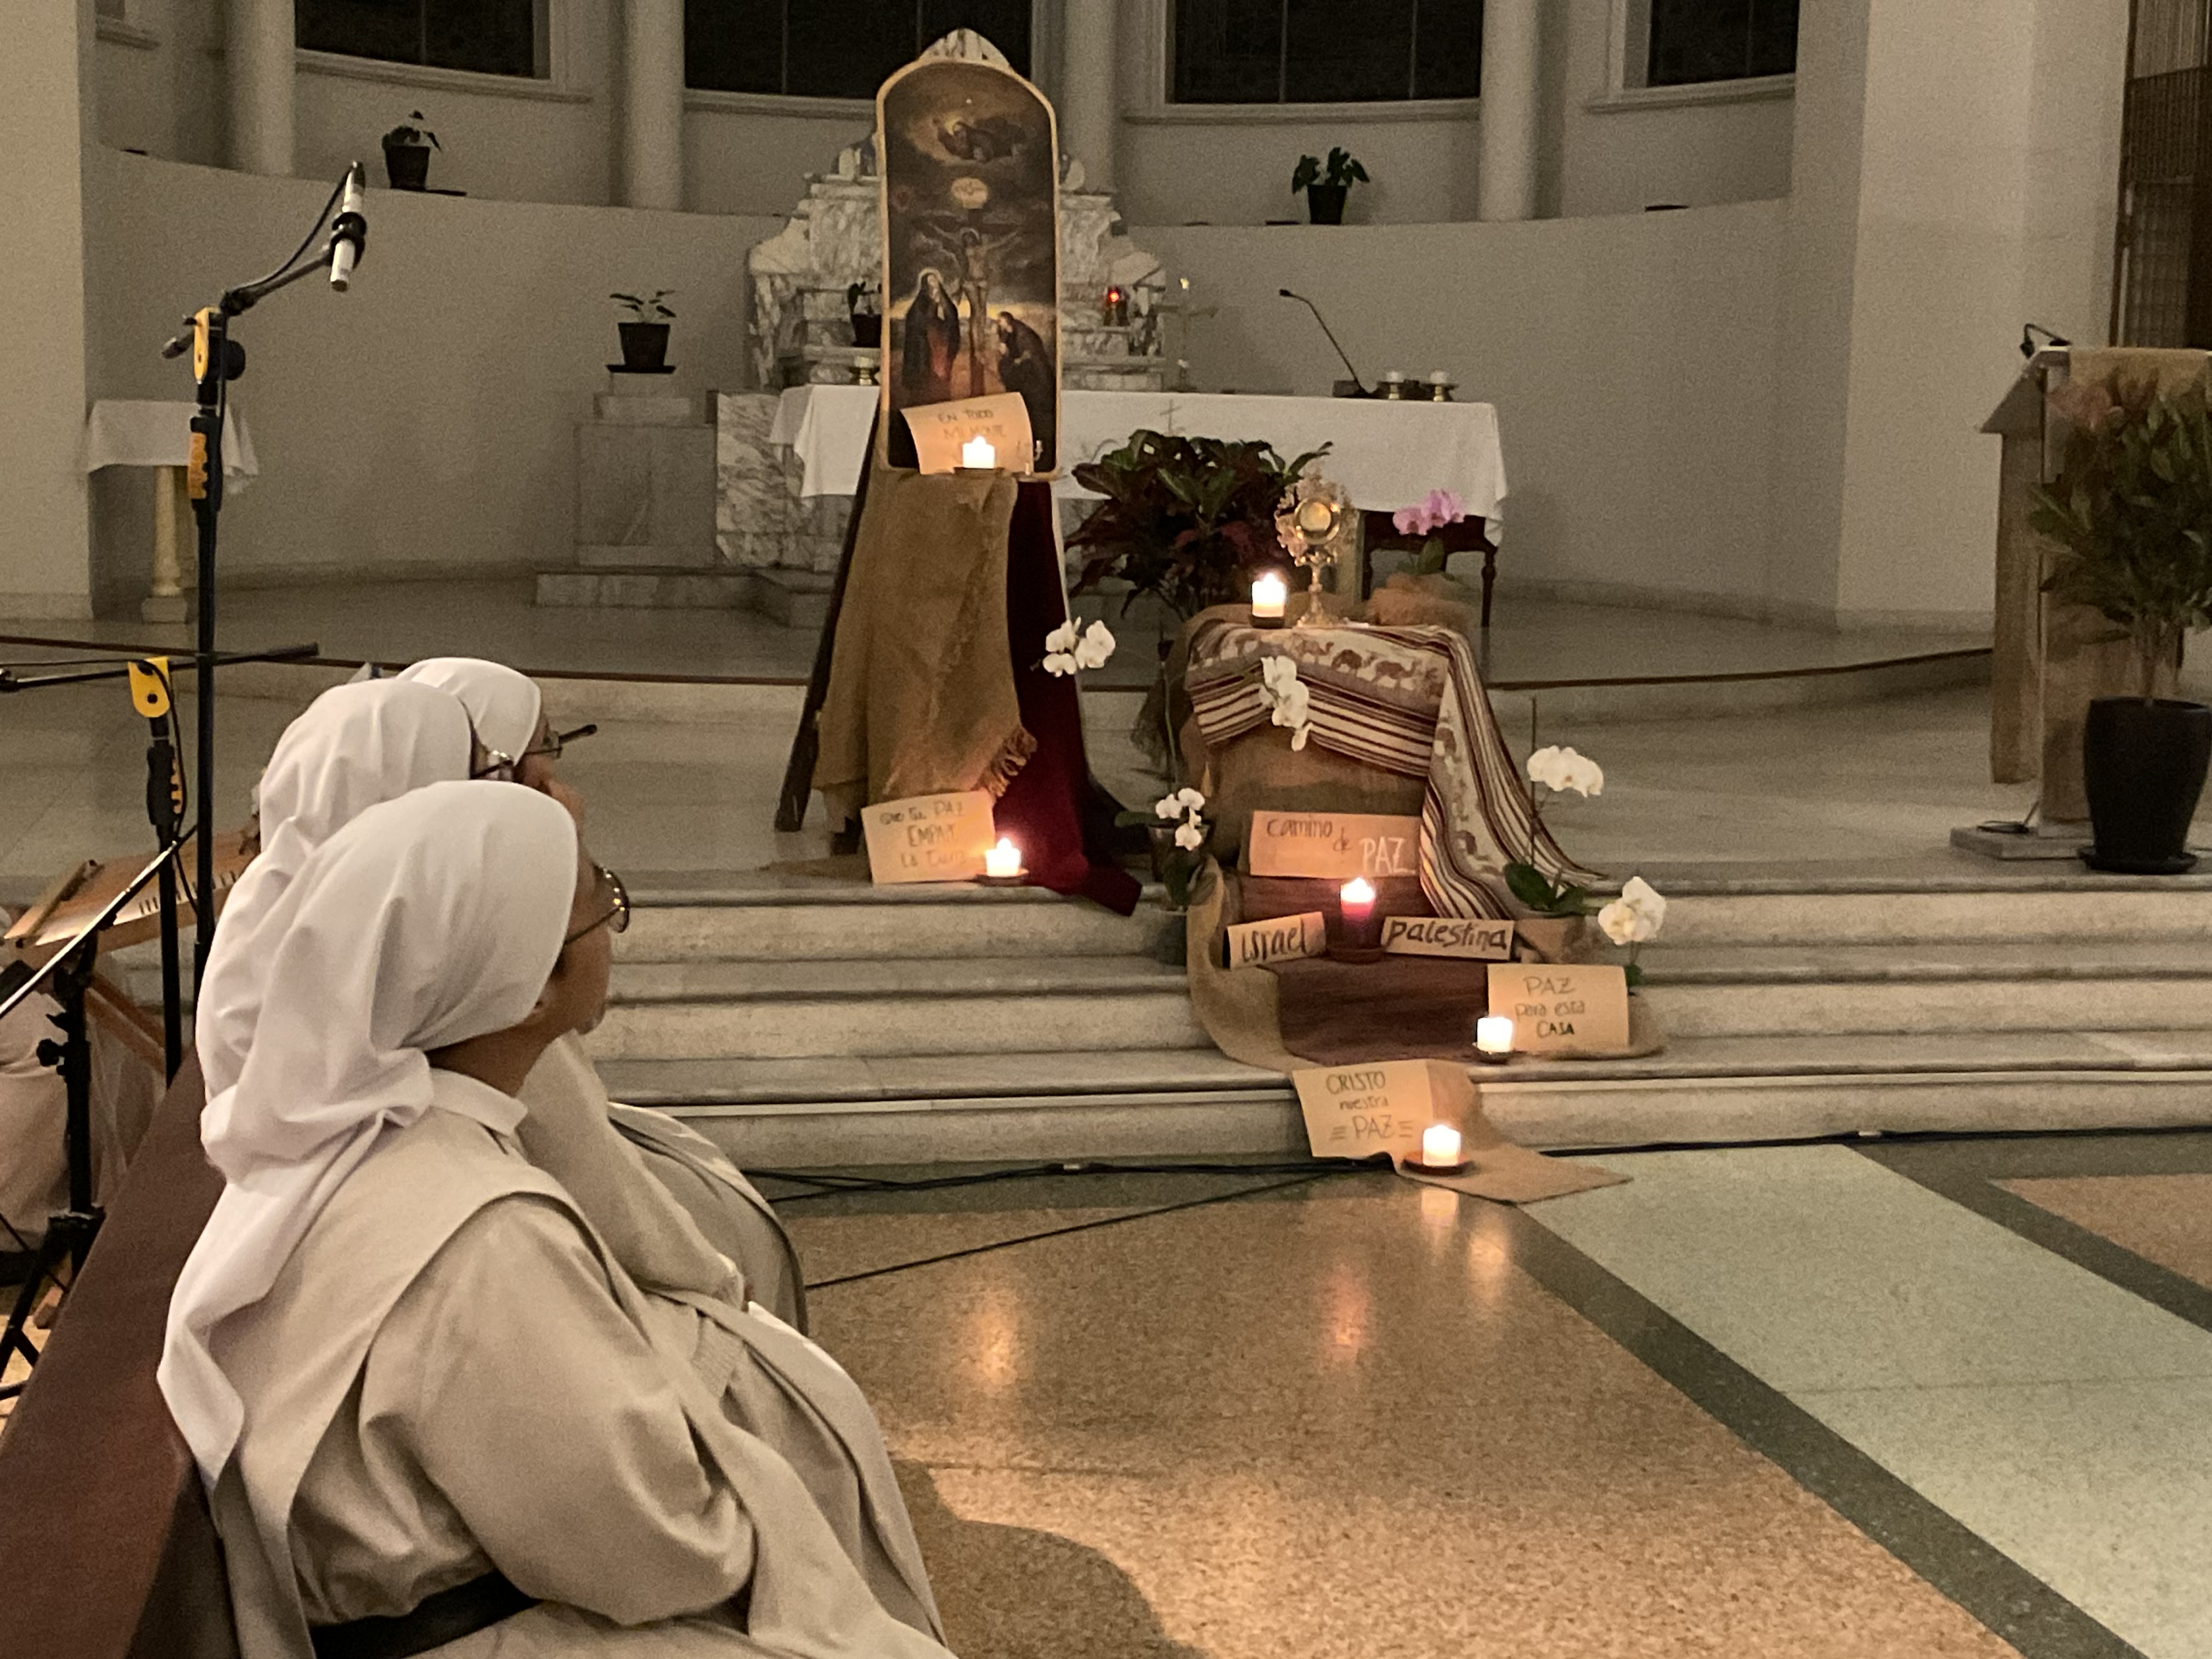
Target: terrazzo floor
column 1810, row 1401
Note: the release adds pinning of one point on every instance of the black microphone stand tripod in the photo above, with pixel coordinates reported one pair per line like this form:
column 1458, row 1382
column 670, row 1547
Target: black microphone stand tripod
column 217, row 360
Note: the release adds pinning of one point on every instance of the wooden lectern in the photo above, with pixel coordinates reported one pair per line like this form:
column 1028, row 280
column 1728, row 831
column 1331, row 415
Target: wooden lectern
column 2050, row 658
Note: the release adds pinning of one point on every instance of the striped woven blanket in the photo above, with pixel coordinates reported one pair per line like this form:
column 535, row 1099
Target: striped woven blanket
column 1405, row 700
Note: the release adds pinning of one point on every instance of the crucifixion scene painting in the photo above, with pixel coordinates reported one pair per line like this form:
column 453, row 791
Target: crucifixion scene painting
column 970, row 246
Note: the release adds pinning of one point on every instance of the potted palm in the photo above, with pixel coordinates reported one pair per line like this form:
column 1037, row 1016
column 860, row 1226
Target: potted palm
column 1326, row 185
column 407, row 150
column 645, row 335
column 2132, row 513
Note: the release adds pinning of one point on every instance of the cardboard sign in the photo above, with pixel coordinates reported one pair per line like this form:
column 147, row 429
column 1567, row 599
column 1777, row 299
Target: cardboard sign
column 1337, row 845
column 928, row 837
column 941, row 432
column 1465, row 937
column 1356, row 1111
column 1279, row 938
column 1562, row 1008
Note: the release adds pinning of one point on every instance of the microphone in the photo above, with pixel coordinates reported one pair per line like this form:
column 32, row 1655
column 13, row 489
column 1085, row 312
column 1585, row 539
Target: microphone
column 349, row 232
column 2027, row 333
column 1360, row 386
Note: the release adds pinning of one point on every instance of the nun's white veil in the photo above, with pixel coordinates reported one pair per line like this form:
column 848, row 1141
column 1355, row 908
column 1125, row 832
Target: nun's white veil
column 428, row 919
column 504, row 704
column 355, row 745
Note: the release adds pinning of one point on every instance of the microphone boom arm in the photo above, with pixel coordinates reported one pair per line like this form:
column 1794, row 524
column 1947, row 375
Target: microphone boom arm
column 1331, row 332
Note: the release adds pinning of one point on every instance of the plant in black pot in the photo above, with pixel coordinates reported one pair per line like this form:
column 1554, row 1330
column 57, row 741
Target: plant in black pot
column 645, row 337
column 2132, row 513
column 1326, row 185
column 407, row 151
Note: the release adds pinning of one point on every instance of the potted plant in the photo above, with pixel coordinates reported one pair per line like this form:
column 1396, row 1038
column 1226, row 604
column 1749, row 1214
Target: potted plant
column 1180, row 836
column 1188, row 520
column 2132, row 513
column 407, row 151
column 1326, row 185
column 645, row 337
column 866, row 312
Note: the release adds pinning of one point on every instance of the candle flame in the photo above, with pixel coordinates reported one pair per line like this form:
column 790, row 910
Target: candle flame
column 1358, row 891
column 1440, row 1144
column 1003, row 860
column 1493, row 1034
column 978, row 452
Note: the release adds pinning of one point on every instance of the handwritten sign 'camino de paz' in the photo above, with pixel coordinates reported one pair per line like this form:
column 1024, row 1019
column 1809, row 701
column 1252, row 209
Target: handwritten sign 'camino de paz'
column 1562, row 1008
column 1333, row 845
column 928, row 837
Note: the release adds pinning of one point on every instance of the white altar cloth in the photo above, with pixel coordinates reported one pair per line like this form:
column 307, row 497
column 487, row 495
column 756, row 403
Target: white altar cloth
column 1387, row 455
column 146, row 432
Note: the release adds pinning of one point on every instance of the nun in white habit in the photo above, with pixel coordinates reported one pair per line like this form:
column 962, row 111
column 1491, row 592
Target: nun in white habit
column 514, row 740
column 435, row 1414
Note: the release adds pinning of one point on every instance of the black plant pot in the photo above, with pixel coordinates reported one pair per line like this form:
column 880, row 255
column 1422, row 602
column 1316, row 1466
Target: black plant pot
column 407, row 166
column 645, row 346
column 868, row 329
column 1325, row 203
column 2143, row 765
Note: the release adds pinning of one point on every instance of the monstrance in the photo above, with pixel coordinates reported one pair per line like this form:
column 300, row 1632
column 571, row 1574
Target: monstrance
column 1314, row 523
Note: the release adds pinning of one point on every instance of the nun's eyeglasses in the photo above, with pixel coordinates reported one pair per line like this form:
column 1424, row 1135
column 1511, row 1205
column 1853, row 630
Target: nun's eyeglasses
column 498, row 763
column 617, row 917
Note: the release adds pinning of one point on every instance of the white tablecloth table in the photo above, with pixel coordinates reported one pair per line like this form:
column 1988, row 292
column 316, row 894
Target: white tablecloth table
column 1387, row 455
column 155, row 433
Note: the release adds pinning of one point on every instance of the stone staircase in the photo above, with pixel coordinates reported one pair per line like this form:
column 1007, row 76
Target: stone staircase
column 803, row 1023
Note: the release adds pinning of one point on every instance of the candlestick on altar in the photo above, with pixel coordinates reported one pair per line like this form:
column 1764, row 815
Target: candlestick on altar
column 1493, row 1039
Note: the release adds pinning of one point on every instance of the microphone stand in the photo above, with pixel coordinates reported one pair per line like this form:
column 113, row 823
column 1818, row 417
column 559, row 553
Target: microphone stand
column 217, row 360
column 1359, row 387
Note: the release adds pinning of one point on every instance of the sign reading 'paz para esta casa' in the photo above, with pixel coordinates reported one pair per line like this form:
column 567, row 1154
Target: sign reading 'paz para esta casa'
column 1562, row 1008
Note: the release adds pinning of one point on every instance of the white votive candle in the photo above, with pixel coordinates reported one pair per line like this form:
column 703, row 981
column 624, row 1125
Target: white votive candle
column 977, row 451
column 1493, row 1035
column 1003, row 860
column 1440, row 1145
column 1270, row 593
column 1438, row 377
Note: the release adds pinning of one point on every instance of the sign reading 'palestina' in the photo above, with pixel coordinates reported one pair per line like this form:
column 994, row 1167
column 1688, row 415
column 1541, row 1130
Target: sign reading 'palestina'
column 970, row 160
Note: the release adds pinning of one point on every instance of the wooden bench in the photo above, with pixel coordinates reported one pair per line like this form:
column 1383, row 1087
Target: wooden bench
column 106, row 1547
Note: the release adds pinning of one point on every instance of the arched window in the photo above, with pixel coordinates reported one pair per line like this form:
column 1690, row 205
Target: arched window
column 1323, row 51
column 489, row 36
column 834, row 48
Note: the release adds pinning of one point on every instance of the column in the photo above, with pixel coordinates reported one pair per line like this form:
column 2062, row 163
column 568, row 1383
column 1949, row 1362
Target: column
column 46, row 567
column 258, row 68
column 652, row 172
column 1088, row 118
column 1512, row 45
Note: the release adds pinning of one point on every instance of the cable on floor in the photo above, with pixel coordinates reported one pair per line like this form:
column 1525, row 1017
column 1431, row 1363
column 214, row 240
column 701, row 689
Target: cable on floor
column 825, row 1184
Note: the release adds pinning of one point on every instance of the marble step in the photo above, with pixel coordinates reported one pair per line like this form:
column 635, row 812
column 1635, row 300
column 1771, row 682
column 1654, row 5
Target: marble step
column 662, row 586
column 740, row 1010
column 1945, row 901
column 1159, row 1102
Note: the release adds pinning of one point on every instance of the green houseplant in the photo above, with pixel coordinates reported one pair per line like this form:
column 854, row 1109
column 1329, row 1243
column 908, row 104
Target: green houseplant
column 1327, row 184
column 1188, row 520
column 407, row 150
column 2130, row 512
column 645, row 335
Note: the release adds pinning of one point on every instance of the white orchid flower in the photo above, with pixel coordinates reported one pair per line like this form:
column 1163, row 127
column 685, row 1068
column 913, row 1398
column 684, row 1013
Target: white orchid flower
column 1096, row 646
column 1189, row 836
column 1645, row 900
column 1190, row 800
column 1636, row 916
column 1063, row 637
column 1059, row 662
column 1563, row 770
column 1289, row 697
column 1168, row 806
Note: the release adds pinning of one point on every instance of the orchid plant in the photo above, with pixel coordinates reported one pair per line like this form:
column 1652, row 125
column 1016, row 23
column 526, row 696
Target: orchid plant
column 1630, row 920
column 1634, row 920
column 1183, row 813
column 1070, row 648
column 1289, row 698
column 1426, row 517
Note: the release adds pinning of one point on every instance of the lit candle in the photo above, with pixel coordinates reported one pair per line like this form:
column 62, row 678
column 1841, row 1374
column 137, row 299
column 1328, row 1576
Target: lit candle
column 1358, row 898
column 1438, row 377
column 1269, row 593
column 1440, row 1146
column 1003, row 860
column 977, row 451
column 1494, row 1036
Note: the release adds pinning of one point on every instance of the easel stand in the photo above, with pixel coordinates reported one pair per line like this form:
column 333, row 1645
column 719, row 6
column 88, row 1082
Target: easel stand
column 70, row 1232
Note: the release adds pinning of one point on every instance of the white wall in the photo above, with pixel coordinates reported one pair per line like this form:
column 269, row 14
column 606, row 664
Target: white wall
column 162, row 92
column 43, row 127
column 1630, row 359
column 426, row 420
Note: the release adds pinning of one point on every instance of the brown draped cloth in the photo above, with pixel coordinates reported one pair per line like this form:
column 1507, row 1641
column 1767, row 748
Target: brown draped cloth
column 936, row 679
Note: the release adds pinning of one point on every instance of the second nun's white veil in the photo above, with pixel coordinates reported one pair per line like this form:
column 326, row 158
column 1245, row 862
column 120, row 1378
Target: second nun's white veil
column 505, row 703
column 428, row 919
column 356, row 746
